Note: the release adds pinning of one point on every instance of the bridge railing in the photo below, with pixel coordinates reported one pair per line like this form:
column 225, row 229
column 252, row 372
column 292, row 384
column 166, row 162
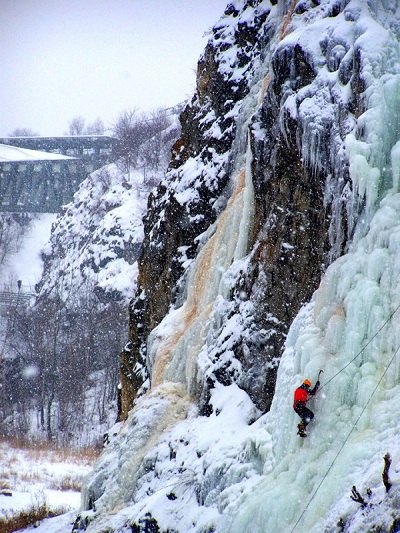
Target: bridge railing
column 10, row 300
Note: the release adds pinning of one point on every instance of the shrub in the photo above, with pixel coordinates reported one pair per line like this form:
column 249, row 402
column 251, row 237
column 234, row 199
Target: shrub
column 39, row 510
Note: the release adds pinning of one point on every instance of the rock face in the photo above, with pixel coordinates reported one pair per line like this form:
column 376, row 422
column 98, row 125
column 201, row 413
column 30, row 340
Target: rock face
column 200, row 163
column 270, row 251
column 299, row 173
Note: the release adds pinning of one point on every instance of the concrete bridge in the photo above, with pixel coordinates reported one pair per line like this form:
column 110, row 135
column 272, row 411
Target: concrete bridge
column 41, row 174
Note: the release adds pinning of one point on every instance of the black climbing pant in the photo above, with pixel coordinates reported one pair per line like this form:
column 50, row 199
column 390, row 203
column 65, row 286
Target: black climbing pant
column 304, row 413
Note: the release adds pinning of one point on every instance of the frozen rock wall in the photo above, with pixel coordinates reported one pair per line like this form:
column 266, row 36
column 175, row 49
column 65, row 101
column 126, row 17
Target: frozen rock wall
column 289, row 79
column 270, row 252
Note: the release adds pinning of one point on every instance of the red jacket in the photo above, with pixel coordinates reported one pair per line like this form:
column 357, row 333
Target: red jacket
column 303, row 393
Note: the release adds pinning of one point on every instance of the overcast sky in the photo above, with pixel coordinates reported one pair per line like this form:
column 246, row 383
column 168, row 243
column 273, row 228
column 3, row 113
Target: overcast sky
column 94, row 58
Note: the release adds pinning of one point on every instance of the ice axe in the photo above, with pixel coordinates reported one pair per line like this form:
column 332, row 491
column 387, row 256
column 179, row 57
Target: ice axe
column 319, row 374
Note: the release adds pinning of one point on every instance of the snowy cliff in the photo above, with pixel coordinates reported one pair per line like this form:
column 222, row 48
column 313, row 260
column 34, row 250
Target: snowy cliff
column 74, row 332
column 271, row 250
column 98, row 237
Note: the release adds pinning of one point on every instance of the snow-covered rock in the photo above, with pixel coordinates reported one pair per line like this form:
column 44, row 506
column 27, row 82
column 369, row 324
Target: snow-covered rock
column 270, row 252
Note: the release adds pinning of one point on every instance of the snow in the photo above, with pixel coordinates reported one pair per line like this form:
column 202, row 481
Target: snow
column 15, row 154
column 26, row 264
column 238, row 470
column 35, row 476
column 58, row 524
column 103, row 231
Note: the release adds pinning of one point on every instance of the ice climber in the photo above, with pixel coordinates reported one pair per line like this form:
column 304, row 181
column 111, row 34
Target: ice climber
column 301, row 396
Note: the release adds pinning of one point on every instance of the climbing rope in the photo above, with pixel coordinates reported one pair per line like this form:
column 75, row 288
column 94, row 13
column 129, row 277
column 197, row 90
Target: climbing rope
column 362, row 349
column 351, row 431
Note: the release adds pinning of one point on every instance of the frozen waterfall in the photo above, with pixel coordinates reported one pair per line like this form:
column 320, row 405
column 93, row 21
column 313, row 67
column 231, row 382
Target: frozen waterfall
column 236, row 471
column 174, row 357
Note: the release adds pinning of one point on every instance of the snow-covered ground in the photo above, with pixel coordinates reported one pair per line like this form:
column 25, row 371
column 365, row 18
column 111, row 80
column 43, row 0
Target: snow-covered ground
column 35, row 476
column 14, row 153
column 26, row 264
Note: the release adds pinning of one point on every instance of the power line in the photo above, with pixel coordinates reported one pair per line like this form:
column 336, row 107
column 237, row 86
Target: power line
column 351, row 431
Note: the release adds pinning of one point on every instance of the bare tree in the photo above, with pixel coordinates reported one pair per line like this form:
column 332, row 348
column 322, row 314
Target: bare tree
column 76, row 126
column 12, row 229
column 23, row 132
column 95, row 128
column 144, row 140
column 62, row 349
column 129, row 130
column 155, row 152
